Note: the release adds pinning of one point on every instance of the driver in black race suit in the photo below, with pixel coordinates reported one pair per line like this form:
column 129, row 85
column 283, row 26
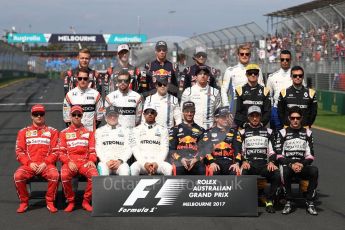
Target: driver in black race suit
column 123, row 63
column 70, row 81
column 221, row 146
column 294, row 148
column 160, row 67
column 188, row 77
column 183, row 144
column 258, row 156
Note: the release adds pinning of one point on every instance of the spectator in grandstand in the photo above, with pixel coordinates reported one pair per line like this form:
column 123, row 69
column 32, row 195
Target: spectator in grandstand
column 183, row 146
column 295, row 152
column 206, row 98
column 221, row 146
column 112, row 147
column 160, row 67
column 257, row 150
column 298, row 95
column 276, row 82
column 36, row 151
column 128, row 101
column 150, row 146
column 169, row 111
column 122, row 63
column 71, row 76
column 188, row 77
column 236, row 76
column 89, row 99
column 252, row 93
column 78, row 156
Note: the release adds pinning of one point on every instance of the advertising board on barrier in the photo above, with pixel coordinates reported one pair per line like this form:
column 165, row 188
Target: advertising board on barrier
column 124, row 38
column 76, row 38
column 27, row 38
column 174, row 196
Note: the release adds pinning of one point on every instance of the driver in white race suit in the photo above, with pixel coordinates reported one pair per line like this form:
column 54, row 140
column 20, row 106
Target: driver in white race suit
column 150, row 146
column 112, row 147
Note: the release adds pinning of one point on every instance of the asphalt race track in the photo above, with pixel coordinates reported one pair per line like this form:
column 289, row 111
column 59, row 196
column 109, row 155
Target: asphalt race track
column 15, row 102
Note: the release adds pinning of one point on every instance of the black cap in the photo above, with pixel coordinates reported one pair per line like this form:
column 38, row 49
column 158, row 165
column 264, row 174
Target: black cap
column 188, row 104
column 202, row 68
column 222, row 111
column 162, row 79
column 112, row 109
column 161, row 44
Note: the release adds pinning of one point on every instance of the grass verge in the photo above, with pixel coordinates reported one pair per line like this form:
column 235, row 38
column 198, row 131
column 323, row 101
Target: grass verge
column 330, row 120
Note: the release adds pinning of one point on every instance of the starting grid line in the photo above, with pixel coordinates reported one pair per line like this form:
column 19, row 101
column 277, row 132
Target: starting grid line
column 31, row 103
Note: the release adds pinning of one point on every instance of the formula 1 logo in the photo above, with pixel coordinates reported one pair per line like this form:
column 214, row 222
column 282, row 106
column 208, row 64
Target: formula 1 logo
column 167, row 194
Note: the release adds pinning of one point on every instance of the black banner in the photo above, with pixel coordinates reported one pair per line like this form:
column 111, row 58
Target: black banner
column 174, row 196
column 76, row 38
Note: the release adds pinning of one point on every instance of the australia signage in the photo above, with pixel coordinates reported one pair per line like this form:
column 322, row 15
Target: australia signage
column 174, row 196
column 76, row 38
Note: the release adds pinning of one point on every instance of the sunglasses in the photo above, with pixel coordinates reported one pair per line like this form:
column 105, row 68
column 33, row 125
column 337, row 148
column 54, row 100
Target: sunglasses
column 253, row 72
column 77, row 115
column 123, row 81
column 285, row 59
column 297, row 75
column 295, row 118
column 245, row 54
column 161, row 84
column 150, row 111
column 83, row 78
column 201, row 56
column 161, row 50
column 38, row 114
column 219, row 150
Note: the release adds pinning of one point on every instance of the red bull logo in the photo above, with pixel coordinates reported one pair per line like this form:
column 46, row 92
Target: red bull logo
column 161, row 72
column 223, row 149
column 187, row 142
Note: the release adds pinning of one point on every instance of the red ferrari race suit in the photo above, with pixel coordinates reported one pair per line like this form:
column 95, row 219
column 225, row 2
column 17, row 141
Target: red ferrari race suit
column 77, row 145
column 36, row 145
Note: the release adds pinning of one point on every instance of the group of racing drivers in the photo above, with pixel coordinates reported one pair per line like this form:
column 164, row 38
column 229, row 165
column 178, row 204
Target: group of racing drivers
column 159, row 123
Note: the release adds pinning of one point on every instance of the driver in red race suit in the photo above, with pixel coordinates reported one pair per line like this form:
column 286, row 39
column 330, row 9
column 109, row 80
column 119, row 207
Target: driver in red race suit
column 78, row 156
column 70, row 81
column 37, row 153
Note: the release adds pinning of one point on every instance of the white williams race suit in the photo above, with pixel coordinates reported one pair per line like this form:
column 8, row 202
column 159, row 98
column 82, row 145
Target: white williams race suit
column 168, row 109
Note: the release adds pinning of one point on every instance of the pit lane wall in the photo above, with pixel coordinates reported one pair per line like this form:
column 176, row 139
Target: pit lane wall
column 15, row 64
column 331, row 101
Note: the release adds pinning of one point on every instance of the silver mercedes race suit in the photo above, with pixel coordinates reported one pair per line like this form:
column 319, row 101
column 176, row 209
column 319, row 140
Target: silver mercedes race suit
column 112, row 144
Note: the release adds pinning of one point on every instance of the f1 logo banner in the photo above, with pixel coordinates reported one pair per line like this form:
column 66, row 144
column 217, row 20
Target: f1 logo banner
column 174, row 196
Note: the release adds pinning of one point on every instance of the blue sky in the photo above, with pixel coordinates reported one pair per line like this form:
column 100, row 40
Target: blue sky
column 156, row 17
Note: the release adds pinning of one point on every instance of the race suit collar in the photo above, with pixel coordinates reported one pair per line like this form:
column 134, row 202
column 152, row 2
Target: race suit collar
column 150, row 126
column 72, row 126
column 33, row 126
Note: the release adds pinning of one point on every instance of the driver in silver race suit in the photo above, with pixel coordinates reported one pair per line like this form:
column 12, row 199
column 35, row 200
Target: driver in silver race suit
column 112, row 146
column 89, row 99
column 128, row 101
column 150, row 146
